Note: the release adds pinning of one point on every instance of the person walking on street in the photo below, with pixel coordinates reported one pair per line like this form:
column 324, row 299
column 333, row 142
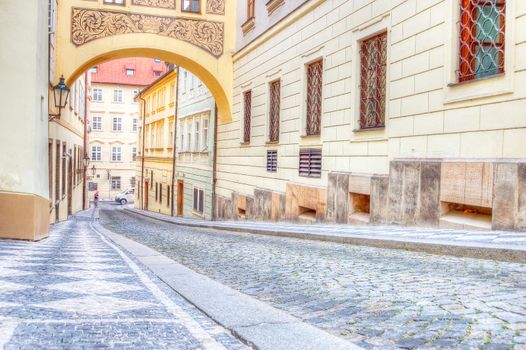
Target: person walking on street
column 96, row 199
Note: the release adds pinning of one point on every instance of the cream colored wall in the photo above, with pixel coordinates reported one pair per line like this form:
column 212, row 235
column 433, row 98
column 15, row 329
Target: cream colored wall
column 106, row 138
column 24, row 97
column 425, row 116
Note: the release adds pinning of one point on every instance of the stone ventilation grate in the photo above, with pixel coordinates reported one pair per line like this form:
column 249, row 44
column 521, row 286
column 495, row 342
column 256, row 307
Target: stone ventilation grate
column 482, row 29
column 373, row 56
column 310, row 162
column 272, row 161
column 247, row 96
column 275, row 88
column 314, row 97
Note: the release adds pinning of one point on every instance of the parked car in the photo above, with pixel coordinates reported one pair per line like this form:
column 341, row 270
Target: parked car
column 126, row 196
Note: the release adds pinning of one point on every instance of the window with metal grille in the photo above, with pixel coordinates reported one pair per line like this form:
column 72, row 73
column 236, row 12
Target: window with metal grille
column 275, row 91
column 482, row 29
column 199, row 196
column 272, row 161
column 310, row 162
column 247, row 98
column 314, row 97
column 373, row 55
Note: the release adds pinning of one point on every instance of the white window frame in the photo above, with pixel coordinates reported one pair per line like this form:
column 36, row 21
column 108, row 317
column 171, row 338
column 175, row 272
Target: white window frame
column 117, row 96
column 116, row 121
column 135, row 124
column 97, row 95
column 133, row 153
column 96, row 123
column 130, row 72
column 197, row 134
column 96, row 153
column 116, row 178
column 116, row 153
column 182, row 127
column 206, row 131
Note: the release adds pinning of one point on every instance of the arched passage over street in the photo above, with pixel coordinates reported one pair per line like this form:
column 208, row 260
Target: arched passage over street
column 89, row 33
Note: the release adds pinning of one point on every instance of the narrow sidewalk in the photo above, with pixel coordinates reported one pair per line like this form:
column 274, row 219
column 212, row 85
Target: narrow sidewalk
column 493, row 245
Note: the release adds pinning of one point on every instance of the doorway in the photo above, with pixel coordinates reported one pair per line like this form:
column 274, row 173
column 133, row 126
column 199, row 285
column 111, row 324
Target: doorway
column 145, row 195
column 180, row 195
column 70, row 185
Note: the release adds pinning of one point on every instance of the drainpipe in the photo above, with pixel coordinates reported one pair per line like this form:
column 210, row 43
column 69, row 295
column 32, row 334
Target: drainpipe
column 175, row 138
column 214, row 165
column 141, row 193
column 85, row 136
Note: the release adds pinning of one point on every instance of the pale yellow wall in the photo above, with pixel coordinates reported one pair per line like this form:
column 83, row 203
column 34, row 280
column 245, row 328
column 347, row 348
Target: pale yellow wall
column 215, row 72
column 24, row 97
column 106, row 138
column 425, row 116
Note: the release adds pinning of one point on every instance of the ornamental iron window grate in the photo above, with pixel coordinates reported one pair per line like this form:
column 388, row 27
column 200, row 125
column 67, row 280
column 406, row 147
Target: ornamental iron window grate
column 272, row 161
column 314, row 97
column 482, row 29
column 247, row 97
column 310, row 162
column 373, row 57
column 275, row 88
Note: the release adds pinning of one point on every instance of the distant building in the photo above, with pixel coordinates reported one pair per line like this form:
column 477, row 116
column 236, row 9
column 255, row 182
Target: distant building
column 114, row 122
column 192, row 187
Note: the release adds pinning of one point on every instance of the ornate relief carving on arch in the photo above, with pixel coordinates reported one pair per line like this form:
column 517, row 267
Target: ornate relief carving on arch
column 88, row 25
column 166, row 4
column 215, row 7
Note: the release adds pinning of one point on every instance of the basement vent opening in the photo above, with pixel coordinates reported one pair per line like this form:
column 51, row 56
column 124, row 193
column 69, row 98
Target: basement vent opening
column 463, row 216
column 360, row 206
column 306, row 215
column 242, row 212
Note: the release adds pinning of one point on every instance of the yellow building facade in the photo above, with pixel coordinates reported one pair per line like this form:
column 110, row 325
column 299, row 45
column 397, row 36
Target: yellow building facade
column 155, row 157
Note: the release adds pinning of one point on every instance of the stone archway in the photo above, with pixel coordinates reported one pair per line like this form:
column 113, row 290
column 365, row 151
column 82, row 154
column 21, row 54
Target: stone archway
column 89, row 33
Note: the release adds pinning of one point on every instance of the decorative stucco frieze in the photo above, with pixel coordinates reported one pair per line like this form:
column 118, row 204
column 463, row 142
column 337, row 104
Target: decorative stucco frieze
column 167, row 4
column 215, row 7
column 88, row 25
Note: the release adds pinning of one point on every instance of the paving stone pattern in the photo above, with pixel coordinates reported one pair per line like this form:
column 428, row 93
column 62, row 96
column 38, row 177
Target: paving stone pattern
column 376, row 298
column 76, row 290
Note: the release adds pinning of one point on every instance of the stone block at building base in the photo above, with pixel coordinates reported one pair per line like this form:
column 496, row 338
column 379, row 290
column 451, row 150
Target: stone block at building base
column 23, row 216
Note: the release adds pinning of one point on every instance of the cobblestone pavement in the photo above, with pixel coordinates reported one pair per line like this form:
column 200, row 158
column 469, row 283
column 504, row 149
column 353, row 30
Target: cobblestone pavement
column 377, row 298
column 76, row 290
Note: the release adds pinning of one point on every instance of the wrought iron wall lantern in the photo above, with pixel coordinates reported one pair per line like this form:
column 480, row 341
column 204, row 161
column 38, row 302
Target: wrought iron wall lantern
column 60, row 95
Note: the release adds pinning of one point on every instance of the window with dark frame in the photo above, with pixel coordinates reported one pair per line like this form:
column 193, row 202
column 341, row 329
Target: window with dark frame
column 57, row 172
column 199, row 196
column 50, row 170
column 161, row 193
column 168, row 194
column 251, row 11
column 373, row 65
column 314, row 97
column 247, row 115
column 191, row 6
column 275, row 92
column 272, row 161
column 482, row 32
column 64, row 170
column 310, row 162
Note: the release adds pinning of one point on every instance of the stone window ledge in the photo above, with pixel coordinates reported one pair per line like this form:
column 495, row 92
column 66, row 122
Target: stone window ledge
column 248, row 25
column 273, row 5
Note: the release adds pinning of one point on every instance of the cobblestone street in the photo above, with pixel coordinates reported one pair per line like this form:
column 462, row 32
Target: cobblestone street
column 376, row 298
column 76, row 290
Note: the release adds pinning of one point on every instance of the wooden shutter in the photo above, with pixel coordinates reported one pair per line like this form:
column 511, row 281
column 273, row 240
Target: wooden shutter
column 310, row 162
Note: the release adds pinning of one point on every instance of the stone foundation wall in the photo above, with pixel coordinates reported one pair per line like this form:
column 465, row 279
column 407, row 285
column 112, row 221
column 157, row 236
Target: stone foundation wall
column 417, row 192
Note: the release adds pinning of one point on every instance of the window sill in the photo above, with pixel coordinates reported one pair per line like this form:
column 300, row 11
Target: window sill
column 272, row 143
column 196, row 213
column 467, row 82
column 191, row 12
column 248, row 25
column 244, row 143
column 380, row 128
column 273, row 5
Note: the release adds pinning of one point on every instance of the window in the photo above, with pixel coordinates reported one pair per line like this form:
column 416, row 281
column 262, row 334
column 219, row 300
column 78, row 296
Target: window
column 134, row 154
column 156, row 73
column 205, row 134
column 134, row 124
column 272, row 161
column 182, row 135
column 482, row 29
column 314, row 97
column 115, row 182
column 190, row 6
column 372, row 82
column 161, row 193
column 93, row 69
column 64, row 171
column 198, row 200
column 97, row 95
column 247, row 115
column 250, row 8
column 156, row 60
column 114, row 2
column 116, row 124
column 117, row 96
column 130, row 72
column 168, row 196
column 197, row 139
column 116, row 153
column 310, row 162
column 96, row 123
column 96, row 153
column 133, row 182
column 57, row 172
column 135, row 94
column 50, row 170
column 189, row 137
column 275, row 88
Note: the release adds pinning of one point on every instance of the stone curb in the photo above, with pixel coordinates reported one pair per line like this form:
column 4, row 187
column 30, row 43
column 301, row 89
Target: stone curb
column 460, row 249
column 257, row 324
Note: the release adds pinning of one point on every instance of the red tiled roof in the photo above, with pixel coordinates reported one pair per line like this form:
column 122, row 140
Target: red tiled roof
column 114, row 72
